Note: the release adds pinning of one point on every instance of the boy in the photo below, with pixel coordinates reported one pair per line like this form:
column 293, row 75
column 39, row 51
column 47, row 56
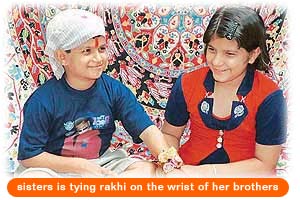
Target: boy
column 69, row 121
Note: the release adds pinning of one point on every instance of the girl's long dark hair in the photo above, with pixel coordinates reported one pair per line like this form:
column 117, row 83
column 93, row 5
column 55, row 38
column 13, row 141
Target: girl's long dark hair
column 245, row 26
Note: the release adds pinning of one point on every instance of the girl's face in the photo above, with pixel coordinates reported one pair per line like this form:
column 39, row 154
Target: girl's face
column 88, row 61
column 227, row 61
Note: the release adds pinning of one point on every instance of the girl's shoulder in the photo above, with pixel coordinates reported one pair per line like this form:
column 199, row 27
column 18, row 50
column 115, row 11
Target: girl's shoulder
column 264, row 83
column 196, row 75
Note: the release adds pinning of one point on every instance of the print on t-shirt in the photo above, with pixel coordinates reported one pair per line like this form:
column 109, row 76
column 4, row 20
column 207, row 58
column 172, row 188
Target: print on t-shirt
column 81, row 140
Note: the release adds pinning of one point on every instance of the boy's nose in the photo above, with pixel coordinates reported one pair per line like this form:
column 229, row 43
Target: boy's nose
column 98, row 57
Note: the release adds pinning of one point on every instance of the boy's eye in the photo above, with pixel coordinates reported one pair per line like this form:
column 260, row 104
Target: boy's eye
column 86, row 51
column 101, row 49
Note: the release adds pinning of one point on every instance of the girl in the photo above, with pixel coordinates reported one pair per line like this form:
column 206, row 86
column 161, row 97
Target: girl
column 237, row 115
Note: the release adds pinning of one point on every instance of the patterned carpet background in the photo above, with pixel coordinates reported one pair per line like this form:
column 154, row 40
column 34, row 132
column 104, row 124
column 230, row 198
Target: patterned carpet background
column 148, row 47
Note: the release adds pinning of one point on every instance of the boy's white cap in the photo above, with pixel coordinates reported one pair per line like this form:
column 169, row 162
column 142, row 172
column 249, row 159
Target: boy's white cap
column 69, row 29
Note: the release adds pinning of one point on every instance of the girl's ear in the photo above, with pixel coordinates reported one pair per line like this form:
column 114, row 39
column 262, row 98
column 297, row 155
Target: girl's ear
column 253, row 55
column 60, row 56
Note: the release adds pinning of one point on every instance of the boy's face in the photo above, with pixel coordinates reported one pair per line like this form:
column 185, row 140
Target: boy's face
column 88, row 61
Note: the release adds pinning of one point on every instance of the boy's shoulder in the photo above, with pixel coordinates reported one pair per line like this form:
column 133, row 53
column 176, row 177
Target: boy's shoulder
column 48, row 89
column 43, row 93
column 109, row 81
column 107, row 78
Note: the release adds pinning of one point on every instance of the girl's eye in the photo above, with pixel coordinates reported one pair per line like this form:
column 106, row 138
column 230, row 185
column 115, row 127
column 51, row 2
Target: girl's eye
column 230, row 54
column 210, row 49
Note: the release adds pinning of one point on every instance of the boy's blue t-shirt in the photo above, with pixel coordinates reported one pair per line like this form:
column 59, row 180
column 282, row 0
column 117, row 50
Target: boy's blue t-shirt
column 63, row 121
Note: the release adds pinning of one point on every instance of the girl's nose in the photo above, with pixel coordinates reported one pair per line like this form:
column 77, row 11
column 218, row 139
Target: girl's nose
column 217, row 60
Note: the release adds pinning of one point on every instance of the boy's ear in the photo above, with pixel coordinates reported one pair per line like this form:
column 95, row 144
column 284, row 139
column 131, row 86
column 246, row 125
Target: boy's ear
column 253, row 55
column 60, row 56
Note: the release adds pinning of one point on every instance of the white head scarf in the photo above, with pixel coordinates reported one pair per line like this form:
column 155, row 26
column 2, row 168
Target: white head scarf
column 69, row 29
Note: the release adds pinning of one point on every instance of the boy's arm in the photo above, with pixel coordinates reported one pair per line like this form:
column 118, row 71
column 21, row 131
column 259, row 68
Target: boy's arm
column 154, row 139
column 166, row 154
column 62, row 164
